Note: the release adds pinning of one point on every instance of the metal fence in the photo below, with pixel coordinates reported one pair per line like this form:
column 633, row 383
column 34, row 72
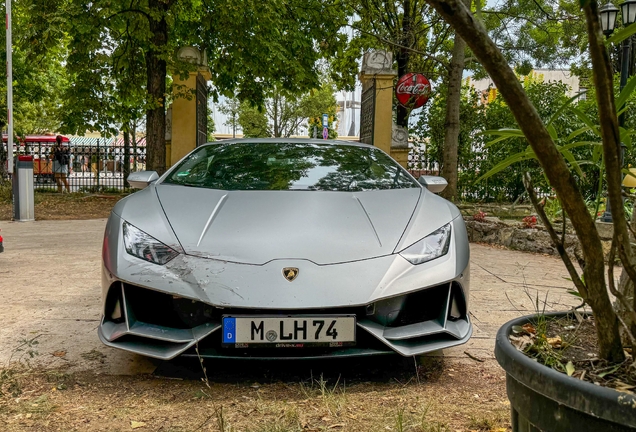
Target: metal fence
column 420, row 162
column 96, row 165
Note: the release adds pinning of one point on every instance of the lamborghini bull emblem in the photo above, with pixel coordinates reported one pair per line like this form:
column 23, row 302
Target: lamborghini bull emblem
column 290, row 273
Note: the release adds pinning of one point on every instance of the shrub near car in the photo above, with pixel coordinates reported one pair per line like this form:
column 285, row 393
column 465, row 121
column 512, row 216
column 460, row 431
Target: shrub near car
column 283, row 248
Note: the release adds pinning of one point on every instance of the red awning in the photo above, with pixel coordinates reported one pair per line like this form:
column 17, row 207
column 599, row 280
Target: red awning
column 37, row 138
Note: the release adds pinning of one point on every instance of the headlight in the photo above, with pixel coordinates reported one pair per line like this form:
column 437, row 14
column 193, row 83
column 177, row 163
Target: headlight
column 430, row 247
column 146, row 247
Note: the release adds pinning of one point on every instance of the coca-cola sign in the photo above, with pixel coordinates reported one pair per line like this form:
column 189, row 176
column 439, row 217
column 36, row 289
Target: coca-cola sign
column 413, row 90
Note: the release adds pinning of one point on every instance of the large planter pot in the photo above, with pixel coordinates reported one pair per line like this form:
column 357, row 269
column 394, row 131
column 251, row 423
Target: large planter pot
column 542, row 399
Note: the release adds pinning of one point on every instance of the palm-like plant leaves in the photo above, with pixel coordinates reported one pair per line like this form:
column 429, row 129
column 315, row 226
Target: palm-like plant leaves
column 564, row 145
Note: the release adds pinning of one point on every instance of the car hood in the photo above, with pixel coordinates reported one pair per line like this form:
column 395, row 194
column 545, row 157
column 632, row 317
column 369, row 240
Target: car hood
column 255, row 227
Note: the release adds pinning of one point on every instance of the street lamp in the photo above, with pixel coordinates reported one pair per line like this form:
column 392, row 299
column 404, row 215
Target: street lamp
column 607, row 14
column 628, row 10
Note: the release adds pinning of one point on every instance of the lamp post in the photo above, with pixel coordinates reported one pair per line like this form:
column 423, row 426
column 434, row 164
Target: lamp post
column 608, row 14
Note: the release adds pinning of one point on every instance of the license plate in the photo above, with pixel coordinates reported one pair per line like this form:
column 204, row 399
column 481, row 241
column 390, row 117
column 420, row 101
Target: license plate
column 289, row 332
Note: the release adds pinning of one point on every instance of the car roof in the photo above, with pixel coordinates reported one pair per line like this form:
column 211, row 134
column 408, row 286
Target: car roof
column 289, row 141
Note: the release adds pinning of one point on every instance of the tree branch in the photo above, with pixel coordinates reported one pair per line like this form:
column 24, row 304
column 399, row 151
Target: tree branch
column 139, row 11
column 609, row 133
column 616, row 293
column 425, row 55
column 558, row 243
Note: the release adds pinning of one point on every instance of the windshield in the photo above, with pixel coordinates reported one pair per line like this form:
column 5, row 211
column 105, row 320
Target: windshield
column 290, row 166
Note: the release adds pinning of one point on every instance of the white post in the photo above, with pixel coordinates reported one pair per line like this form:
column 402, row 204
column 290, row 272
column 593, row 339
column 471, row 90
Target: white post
column 9, row 91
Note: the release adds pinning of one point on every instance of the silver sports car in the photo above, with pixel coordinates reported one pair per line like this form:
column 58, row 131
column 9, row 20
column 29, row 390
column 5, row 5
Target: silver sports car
column 284, row 248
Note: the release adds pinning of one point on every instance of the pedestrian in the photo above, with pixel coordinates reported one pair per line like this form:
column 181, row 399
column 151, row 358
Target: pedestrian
column 61, row 156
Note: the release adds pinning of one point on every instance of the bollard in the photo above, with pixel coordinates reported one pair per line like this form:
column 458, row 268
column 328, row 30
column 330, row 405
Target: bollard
column 23, row 206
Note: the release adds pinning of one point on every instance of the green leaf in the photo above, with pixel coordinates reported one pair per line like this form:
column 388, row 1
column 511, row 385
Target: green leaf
column 503, row 132
column 626, row 138
column 597, row 153
column 517, row 329
column 582, row 143
column 625, row 93
column 575, row 293
column 563, row 107
column 621, row 35
column 578, row 132
column 610, row 371
column 570, row 158
column 517, row 157
column 627, row 172
column 585, row 119
column 569, row 368
column 553, row 133
column 495, row 141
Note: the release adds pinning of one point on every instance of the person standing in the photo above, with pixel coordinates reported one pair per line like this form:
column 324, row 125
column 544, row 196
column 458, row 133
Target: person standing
column 61, row 156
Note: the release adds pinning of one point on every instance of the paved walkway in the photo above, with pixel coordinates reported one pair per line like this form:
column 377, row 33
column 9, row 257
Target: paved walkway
column 50, row 286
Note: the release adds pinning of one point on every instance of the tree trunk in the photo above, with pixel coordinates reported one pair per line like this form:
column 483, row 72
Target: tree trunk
column 276, row 125
column 156, row 86
column 403, row 55
column 626, row 286
column 453, row 101
column 3, row 163
column 553, row 164
column 603, row 81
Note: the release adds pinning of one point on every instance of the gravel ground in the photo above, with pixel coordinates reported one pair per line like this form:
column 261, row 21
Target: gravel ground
column 58, row 376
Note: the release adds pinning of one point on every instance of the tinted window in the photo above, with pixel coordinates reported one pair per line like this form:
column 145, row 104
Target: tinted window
column 285, row 166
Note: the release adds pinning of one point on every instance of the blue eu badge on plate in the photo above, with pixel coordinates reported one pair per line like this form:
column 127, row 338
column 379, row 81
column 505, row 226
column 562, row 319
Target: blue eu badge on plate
column 229, row 330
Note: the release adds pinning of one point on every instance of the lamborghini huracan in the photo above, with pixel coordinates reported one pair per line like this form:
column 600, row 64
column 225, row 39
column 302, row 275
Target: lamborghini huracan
column 284, row 248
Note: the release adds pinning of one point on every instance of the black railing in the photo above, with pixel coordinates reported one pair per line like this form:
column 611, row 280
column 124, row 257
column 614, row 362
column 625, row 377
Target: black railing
column 92, row 168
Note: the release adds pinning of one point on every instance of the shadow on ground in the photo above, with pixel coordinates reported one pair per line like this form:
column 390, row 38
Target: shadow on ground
column 372, row 369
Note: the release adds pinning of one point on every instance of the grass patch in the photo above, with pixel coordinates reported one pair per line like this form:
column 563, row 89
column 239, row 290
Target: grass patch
column 6, row 193
column 334, row 397
column 406, row 421
column 40, row 406
column 494, row 422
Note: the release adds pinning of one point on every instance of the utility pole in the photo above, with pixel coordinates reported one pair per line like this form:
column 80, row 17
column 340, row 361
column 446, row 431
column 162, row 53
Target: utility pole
column 9, row 92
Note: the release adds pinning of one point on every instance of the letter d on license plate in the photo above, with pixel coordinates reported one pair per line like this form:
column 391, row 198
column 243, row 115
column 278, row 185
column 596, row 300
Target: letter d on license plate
column 289, row 331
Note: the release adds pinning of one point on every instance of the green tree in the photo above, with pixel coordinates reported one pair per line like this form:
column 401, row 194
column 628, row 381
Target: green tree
column 39, row 77
column 593, row 287
column 251, row 48
column 38, row 72
column 285, row 112
column 231, row 108
column 253, row 122
column 211, row 127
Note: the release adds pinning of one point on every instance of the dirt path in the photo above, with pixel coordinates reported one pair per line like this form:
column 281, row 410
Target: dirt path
column 49, row 280
column 359, row 396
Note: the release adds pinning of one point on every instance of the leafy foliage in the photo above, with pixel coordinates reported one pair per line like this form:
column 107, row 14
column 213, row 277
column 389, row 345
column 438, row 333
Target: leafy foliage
column 120, row 52
column 284, row 113
column 38, row 72
column 493, row 151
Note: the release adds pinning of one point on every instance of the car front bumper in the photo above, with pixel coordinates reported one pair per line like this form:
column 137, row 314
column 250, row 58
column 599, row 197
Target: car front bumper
column 176, row 309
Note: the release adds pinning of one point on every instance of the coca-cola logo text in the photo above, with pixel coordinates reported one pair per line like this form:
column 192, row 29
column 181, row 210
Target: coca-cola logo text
column 413, row 89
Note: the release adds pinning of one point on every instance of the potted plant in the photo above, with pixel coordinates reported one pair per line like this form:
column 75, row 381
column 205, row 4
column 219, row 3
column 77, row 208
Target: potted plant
column 544, row 398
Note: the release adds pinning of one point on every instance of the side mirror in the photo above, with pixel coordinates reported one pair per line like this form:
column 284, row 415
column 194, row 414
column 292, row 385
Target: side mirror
column 141, row 179
column 435, row 184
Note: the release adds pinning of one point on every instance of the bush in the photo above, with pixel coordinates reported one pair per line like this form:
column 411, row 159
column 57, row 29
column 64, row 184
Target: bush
column 6, row 194
column 478, row 154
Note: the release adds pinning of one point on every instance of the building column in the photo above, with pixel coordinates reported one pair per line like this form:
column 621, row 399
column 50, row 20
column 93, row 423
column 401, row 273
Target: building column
column 183, row 118
column 376, row 112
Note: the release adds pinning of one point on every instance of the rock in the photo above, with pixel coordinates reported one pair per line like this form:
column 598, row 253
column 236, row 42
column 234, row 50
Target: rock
column 605, row 230
column 511, row 234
